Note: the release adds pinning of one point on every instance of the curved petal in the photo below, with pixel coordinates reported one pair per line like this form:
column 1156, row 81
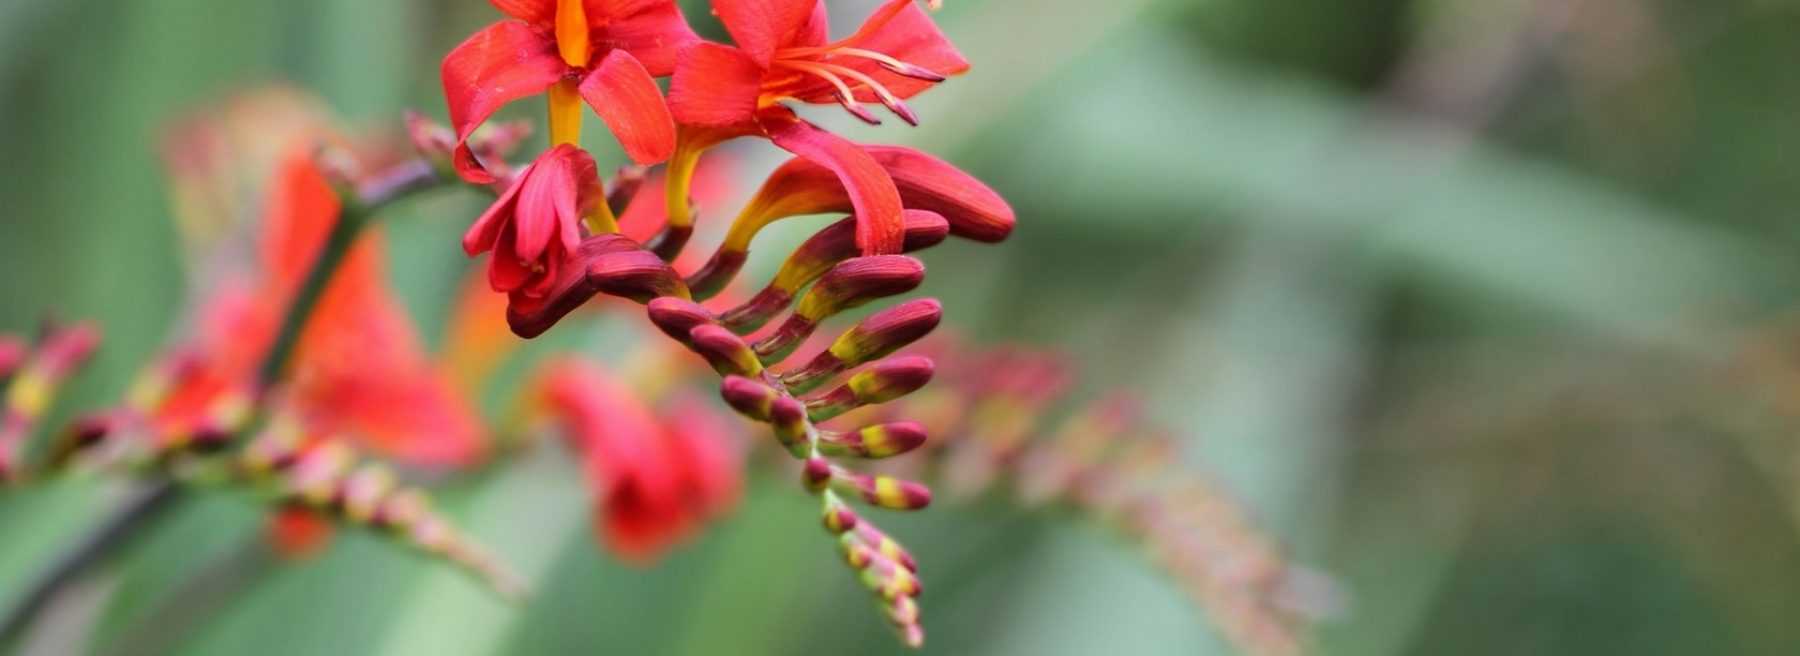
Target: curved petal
column 761, row 27
column 544, row 194
column 714, row 86
column 505, row 62
column 975, row 211
column 880, row 228
column 530, row 11
column 626, row 98
column 654, row 31
column 485, row 231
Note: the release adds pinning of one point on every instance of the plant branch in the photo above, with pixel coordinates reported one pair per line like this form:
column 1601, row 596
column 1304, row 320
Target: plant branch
column 359, row 207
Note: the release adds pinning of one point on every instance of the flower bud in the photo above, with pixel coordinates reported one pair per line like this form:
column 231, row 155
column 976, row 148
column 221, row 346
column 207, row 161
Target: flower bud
column 364, row 490
column 848, row 285
column 817, row 474
column 726, row 352
column 880, row 574
column 530, row 316
column 874, row 442
column 677, row 317
column 637, row 275
column 879, row 490
column 750, row 398
column 818, row 255
column 886, row 381
column 838, row 518
column 788, row 417
column 875, row 337
column 925, row 182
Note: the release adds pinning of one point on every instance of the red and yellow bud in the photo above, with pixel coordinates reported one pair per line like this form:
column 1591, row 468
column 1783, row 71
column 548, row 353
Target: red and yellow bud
column 888, row 380
column 874, row 442
column 725, row 351
column 851, row 284
column 874, row 338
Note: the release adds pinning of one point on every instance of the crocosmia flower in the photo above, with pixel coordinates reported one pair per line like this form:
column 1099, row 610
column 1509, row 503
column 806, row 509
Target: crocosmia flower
column 536, row 223
column 606, row 52
column 783, row 54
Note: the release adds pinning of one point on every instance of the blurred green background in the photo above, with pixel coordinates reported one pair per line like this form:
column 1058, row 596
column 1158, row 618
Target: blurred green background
column 1481, row 306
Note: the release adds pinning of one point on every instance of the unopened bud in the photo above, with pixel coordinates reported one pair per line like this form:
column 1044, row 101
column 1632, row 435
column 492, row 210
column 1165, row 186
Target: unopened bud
column 726, row 352
column 875, row 337
column 880, row 441
column 677, row 317
column 888, row 380
column 848, row 285
column 750, row 398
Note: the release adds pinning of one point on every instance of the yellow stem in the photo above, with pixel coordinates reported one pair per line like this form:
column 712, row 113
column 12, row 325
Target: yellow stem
column 565, row 113
column 602, row 220
column 572, row 33
column 679, row 182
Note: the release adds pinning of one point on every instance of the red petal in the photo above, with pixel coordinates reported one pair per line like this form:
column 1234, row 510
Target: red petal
column 505, row 62
column 761, row 27
column 622, row 92
column 654, row 31
column 974, row 210
column 485, row 231
column 530, row 11
column 880, row 229
column 715, row 86
column 545, row 194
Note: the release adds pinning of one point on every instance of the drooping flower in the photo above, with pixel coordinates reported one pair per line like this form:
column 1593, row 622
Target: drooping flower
column 536, row 223
column 606, row 52
column 782, row 54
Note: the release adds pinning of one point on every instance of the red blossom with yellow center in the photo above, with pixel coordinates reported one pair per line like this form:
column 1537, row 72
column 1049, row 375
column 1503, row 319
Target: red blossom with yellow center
column 783, row 54
column 605, row 52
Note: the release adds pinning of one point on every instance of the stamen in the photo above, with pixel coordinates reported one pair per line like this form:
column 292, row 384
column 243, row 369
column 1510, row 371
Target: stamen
column 845, row 96
column 888, row 98
column 898, row 67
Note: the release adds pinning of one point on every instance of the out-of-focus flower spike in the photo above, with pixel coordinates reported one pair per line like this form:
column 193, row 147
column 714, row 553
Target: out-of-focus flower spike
column 34, row 387
column 879, row 490
column 874, row 338
column 848, row 285
column 825, row 249
column 297, row 532
column 12, row 354
column 678, row 317
column 888, row 380
column 432, row 140
column 724, row 350
column 1051, row 470
column 874, row 442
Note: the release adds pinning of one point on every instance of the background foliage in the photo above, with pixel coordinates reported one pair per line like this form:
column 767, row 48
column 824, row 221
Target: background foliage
column 1459, row 295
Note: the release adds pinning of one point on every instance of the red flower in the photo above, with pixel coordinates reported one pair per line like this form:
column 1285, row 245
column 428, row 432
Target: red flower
column 360, row 370
column 606, row 52
column 782, row 54
column 655, row 479
column 535, row 224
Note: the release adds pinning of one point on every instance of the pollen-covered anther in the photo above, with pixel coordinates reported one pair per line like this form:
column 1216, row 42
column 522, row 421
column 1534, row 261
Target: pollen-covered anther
column 724, row 350
column 886, row 381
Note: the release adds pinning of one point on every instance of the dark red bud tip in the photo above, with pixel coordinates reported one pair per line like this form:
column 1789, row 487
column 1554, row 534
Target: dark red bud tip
column 637, row 275
column 892, row 379
column 859, row 280
column 887, row 331
column 751, row 316
column 816, row 475
column 725, row 351
column 624, row 187
column 530, row 316
column 668, row 242
column 788, row 417
column 750, row 398
column 839, row 518
column 716, row 273
column 925, row 229
column 676, row 317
